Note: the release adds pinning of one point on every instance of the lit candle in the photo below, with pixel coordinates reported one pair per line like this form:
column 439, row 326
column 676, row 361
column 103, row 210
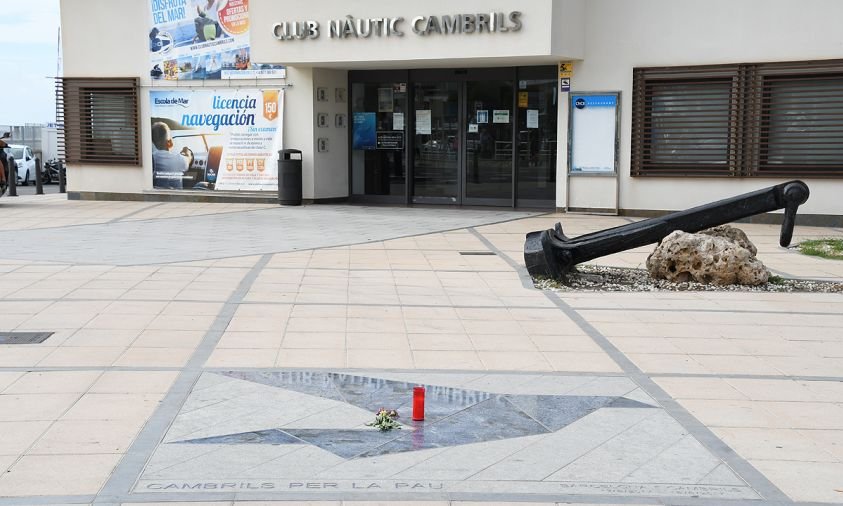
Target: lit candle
column 418, row 403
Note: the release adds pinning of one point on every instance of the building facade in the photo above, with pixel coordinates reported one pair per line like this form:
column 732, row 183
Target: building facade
column 635, row 107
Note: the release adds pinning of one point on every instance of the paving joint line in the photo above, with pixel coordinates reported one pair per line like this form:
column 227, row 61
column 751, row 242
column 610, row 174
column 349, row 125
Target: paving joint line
column 678, row 310
column 131, row 466
column 452, row 498
column 781, row 377
column 754, row 478
column 104, row 368
column 117, row 220
column 274, row 303
column 525, row 215
column 134, row 213
column 523, row 275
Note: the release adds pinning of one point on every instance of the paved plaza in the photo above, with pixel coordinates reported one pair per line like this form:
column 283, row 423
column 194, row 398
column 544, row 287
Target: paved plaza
column 221, row 353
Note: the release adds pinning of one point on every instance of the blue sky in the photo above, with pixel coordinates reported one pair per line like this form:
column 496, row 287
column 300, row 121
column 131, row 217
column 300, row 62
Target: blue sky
column 27, row 58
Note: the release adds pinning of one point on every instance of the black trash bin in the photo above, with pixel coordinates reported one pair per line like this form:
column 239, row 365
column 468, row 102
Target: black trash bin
column 289, row 177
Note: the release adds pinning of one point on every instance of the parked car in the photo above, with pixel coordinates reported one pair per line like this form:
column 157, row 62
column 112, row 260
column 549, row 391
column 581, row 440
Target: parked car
column 25, row 162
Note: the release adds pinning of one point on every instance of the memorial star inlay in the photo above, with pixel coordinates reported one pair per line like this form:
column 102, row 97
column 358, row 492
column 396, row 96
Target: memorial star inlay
column 454, row 416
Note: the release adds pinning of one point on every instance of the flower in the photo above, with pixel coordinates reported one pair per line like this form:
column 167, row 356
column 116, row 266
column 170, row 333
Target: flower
column 385, row 420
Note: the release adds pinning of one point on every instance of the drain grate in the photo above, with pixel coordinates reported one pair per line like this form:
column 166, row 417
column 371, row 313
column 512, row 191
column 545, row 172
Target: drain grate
column 476, row 253
column 24, row 337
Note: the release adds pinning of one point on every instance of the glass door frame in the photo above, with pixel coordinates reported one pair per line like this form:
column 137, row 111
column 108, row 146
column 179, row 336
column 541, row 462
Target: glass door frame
column 490, row 74
column 435, row 75
column 538, row 73
column 375, row 77
column 462, row 77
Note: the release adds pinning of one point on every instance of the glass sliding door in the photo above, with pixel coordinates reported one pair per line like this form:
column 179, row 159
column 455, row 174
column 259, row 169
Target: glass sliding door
column 476, row 136
column 436, row 146
column 378, row 126
column 537, row 132
column 489, row 142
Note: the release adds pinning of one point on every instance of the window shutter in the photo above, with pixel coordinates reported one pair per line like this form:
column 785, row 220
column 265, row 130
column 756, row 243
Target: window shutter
column 683, row 121
column 99, row 120
column 800, row 119
column 755, row 119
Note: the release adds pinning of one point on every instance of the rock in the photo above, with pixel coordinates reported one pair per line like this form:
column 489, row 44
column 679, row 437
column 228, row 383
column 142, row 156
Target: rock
column 720, row 256
column 733, row 234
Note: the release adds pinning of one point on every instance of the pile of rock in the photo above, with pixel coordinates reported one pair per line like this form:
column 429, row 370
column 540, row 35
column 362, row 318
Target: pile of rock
column 720, row 256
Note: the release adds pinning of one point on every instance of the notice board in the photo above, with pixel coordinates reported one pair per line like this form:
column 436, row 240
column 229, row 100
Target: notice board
column 593, row 126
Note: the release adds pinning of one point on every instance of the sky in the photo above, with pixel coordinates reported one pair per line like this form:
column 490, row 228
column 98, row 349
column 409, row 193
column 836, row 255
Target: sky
column 28, row 37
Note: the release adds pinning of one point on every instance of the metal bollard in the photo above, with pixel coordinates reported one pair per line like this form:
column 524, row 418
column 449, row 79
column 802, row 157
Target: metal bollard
column 39, row 185
column 61, row 178
column 13, row 179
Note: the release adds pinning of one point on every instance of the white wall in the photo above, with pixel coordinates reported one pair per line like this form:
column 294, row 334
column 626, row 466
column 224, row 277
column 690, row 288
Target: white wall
column 331, row 168
column 299, row 122
column 621, row 35
column 108, row 38
column 532, row 44
column 95, row 44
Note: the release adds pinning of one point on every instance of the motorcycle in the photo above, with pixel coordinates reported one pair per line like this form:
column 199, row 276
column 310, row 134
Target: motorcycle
column 51, row 172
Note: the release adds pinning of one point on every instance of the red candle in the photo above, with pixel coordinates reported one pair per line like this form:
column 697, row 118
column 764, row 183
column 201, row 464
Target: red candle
column 418, row 403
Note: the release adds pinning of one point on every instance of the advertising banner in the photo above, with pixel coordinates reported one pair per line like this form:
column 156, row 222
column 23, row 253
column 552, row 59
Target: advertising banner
column 203, row 39
column 225, row 139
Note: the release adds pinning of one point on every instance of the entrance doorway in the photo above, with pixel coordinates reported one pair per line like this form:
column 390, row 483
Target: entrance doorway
column 465, row 137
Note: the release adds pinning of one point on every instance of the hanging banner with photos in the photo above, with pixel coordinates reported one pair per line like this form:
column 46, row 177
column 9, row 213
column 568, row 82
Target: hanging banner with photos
column 203, row 39
column 225, row 139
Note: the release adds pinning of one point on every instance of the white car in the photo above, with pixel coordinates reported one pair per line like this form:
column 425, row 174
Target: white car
column 25, row 162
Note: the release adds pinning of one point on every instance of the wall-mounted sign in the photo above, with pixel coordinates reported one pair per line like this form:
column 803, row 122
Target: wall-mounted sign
column 203, row 39
column 566, row 69
column 564, row 84
column 357, row 28
column 225, row 139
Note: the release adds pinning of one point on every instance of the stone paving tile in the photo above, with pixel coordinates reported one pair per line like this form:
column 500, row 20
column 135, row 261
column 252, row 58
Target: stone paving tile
column 805, row 481
column 17, row 437
column 34, row 475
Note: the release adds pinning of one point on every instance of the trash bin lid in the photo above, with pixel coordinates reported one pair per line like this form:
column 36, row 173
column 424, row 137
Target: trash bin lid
column 285, row 154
